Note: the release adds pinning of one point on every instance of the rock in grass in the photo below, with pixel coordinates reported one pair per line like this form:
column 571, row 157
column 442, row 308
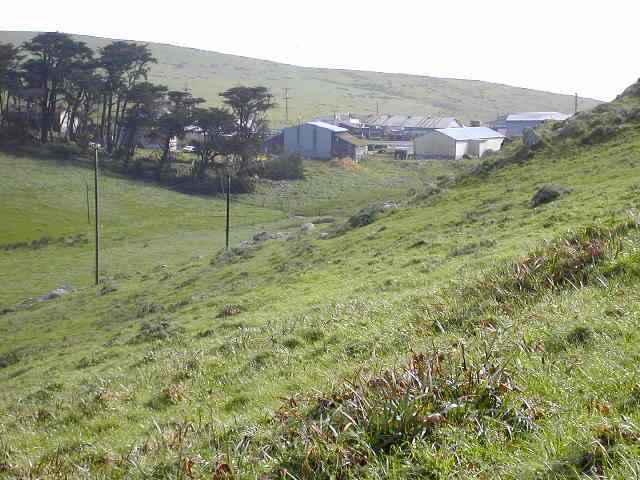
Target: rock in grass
column 307, row 227
column 368, row 215
column 547, row 194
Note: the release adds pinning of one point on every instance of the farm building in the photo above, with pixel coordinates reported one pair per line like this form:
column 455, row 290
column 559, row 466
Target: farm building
column 322, row 140
column 406, row 126
column 517, row 122
column 347, row 145
column 455, row 143
column 418, row 125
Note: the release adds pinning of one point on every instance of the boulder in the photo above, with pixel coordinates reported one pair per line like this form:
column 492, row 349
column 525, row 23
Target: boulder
column 547, row 194
column 368, row 215
column 264, row 236
column 307, row 227
column 55, row 293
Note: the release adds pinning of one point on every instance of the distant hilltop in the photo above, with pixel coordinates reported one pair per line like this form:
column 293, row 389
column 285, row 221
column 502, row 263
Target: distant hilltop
column 316, row 91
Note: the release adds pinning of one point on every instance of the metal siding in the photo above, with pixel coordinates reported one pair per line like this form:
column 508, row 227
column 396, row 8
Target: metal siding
column 434, row 145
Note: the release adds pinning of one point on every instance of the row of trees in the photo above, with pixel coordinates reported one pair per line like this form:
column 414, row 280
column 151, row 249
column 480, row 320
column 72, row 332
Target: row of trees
column 56, row 88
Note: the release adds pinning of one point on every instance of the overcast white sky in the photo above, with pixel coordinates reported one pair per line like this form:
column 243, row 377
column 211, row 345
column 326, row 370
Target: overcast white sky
column 566, row 46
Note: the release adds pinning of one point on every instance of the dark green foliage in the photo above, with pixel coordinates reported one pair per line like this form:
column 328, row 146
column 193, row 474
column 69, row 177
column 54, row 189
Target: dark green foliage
column 599, row 134
column 579, row 335
column 548, row 194
column 9, row 358
column 159, row 330
column 284, row 167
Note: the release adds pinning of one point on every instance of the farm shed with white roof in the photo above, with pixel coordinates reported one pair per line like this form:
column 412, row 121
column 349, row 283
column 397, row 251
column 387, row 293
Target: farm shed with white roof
column 312, row 139
column 455, row 143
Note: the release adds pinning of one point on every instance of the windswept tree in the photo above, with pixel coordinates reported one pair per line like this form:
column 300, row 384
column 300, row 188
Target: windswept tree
column 53, row 58
column 81, row 92
column 124, row 64
column 217, row 126
column 172, row 124
column 9, row 78
column 146, row 100
column 250, row 106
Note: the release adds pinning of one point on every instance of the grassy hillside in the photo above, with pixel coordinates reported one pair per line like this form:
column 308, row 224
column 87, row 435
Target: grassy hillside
column 467, row 334
column 316, row 91
column 44, row 212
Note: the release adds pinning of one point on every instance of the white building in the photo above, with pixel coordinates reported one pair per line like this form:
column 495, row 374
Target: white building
column 312, row 139
column 455, row 143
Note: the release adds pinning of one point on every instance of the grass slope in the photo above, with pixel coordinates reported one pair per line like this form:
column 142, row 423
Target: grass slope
column 318, row 91
column 43, row 208
column 464, row 335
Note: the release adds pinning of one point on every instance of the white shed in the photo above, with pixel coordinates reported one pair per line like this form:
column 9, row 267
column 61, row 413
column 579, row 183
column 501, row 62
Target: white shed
column 312, row 139
column 455, row 143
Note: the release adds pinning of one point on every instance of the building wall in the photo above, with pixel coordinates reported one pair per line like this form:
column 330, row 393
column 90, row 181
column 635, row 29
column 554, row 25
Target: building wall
column 477, row 148
column 491, row 144
column 309, row 140
column 434, row 145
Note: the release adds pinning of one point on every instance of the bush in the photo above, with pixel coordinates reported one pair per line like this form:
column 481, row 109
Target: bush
column 284, row 167
column 65, row 151
column 599, row 134
column 548, row 194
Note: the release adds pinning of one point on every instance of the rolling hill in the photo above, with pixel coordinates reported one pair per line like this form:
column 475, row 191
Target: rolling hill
column 316, row 91
column 479, row 330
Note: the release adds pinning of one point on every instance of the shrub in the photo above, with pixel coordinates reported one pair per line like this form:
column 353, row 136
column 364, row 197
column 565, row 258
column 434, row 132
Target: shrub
column 65, row 151
column 284, row 167
column 599, row 134
column 548, row 194
column 157, row 331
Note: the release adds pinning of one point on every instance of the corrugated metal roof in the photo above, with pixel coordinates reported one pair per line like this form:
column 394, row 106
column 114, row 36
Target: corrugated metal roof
column 430, row 122
column 536, row 116
column 470, row 133
column 328, row 126
column 396, row 121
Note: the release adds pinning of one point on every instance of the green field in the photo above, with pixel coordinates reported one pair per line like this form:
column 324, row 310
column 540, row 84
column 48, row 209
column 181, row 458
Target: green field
column 466, row 334
column 44, row 210
column 316, row 91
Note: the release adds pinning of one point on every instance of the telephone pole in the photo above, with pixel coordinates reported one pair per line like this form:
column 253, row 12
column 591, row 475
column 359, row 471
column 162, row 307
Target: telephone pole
column 228, row 199
column 576, row 104
column 97, row 215
column 88, row 207
column 286, row 104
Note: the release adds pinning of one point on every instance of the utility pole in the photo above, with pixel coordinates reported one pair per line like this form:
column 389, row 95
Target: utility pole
column 228, row 199
column 88, row 207
column 576, row 104
column 97, row 215
column 286, row 105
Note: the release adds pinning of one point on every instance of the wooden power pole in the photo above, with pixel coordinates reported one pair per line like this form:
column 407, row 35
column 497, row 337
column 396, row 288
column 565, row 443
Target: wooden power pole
column 97, row 215
column 575, row 107
column 286, row 105
column 226, row 243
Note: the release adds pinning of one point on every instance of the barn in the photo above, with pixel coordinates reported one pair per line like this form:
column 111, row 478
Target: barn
column 455, row 143
column 517, row 122
column 312, row 139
